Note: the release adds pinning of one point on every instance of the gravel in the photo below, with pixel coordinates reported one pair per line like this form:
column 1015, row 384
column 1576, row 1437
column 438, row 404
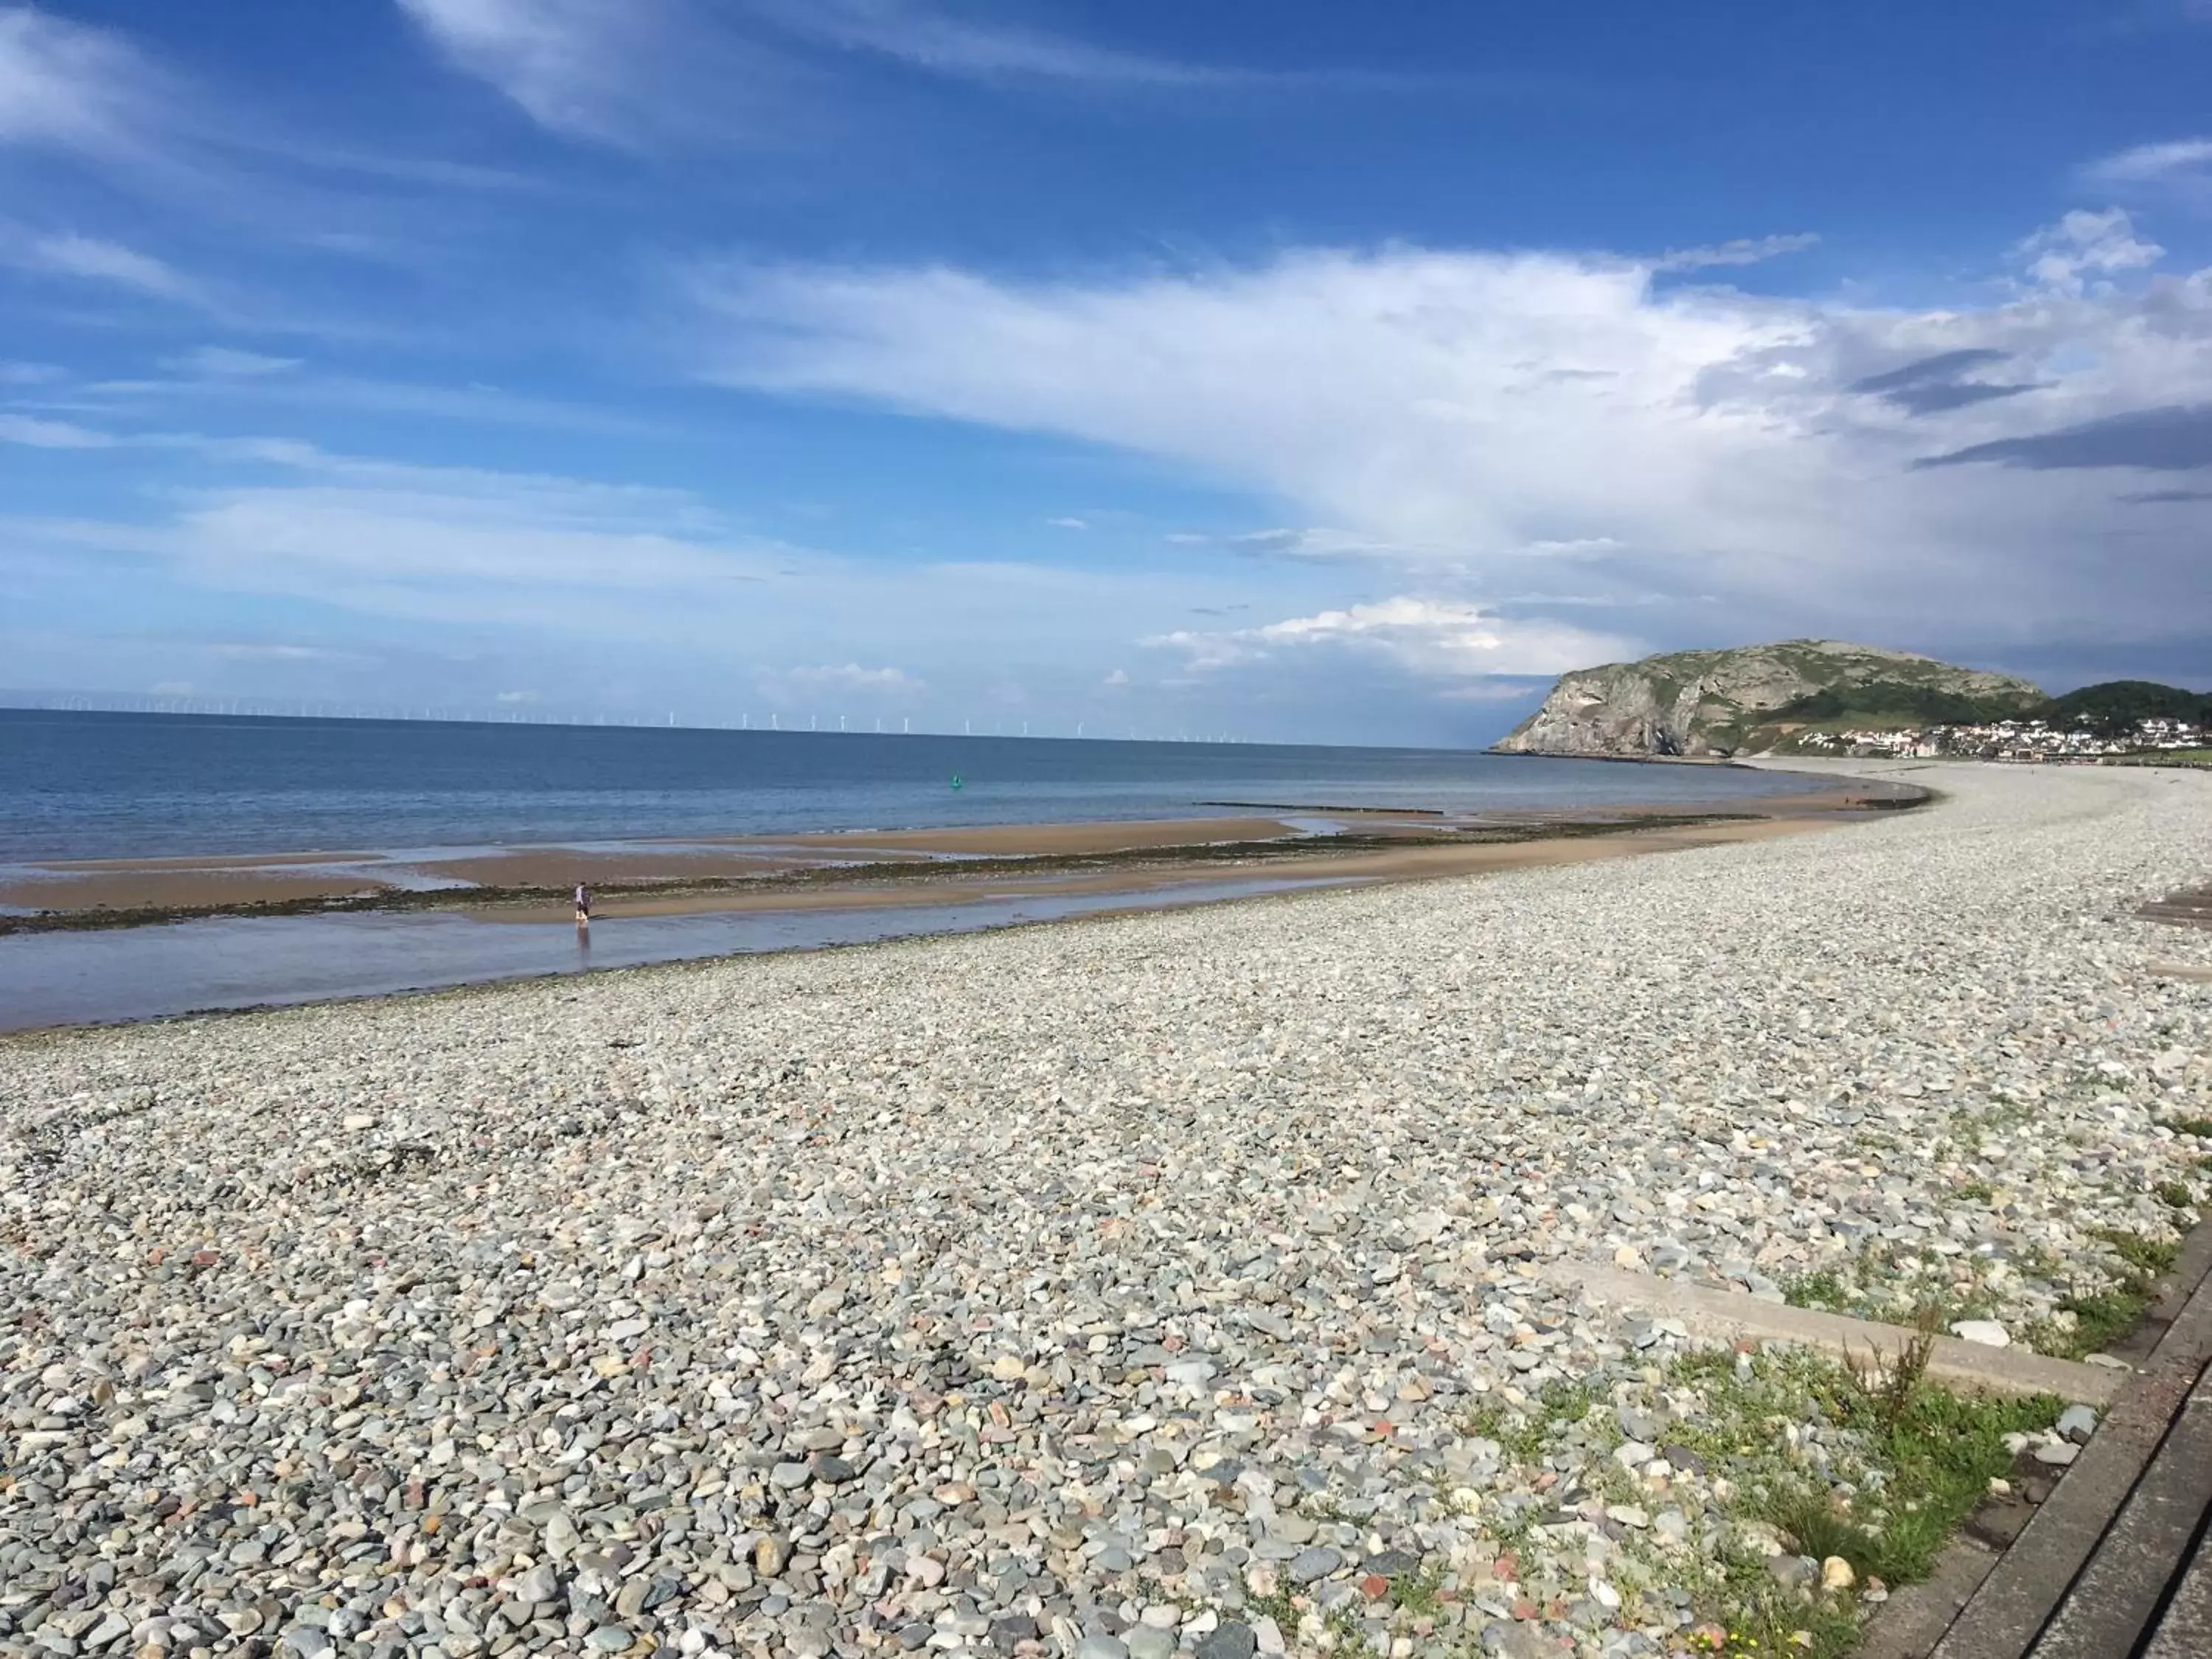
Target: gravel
column 1089, row 1290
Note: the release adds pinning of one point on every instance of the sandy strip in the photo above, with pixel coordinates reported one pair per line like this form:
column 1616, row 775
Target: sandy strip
column 207, row 861
column 1395, row 864
column 194, row 884
column 1055, row 839
column 700, row 879
column 182, row 889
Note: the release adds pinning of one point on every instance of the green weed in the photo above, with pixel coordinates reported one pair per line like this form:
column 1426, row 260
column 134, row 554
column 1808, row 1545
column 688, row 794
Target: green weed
column 1419, row 1595
column 2102, row 1317
column 1824, row 1289
column 1917, row 1460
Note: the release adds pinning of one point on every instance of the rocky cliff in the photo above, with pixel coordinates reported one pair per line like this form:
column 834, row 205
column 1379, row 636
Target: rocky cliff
column 1713, row 704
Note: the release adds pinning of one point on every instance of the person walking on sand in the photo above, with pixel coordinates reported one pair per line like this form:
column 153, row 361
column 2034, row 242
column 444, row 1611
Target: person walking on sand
column 583, row 905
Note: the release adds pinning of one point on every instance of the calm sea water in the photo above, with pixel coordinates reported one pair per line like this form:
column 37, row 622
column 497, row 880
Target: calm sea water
column 79, row 785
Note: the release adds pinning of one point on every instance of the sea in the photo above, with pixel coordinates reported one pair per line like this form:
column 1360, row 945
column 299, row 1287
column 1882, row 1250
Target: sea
column 75, row 785
column 89, row 786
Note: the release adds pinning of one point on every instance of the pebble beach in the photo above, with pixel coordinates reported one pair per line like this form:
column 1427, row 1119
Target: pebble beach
column 1114, row 1289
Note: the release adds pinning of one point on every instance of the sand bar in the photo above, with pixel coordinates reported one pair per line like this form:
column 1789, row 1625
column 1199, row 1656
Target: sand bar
column 649, row 878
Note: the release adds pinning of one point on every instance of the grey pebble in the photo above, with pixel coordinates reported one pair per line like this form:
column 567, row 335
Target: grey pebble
column 794, row 1301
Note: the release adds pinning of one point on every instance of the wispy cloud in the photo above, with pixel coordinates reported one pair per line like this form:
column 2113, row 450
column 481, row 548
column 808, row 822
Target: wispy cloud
column 253, row 380
column 93, row 97
column 276, row 651
column 93, row 259
column 378, row 534
column 1316, row 543
column 49, row 434
column 632, row 74
column 566, row 63
column 841, row 679
column 2151, row 163
column 1442, row 638
column 67, row 86
column 643, row 73
column 662, row 588
column 2165, row 498
column 226, row 363
column 1744, row 250
column 931, row 38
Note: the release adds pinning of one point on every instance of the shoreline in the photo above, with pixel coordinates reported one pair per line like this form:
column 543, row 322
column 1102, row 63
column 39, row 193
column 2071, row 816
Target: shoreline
column 108, row 969
column 865, row 869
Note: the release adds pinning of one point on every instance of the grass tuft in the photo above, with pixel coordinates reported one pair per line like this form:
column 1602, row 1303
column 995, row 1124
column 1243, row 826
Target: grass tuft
column 1897, row 1464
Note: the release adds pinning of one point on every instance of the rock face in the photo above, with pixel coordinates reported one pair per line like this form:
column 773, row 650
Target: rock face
column 1713, row 704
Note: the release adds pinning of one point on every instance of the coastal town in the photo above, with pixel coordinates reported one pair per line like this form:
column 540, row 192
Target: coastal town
column 2169, row 741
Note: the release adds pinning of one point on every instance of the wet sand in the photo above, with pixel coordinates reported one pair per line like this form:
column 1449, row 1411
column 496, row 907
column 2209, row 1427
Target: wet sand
column 1057, row 840
column 232, row 880
column 1410, row 863
column 882, row 869
column 679, row 900
column 175, row 890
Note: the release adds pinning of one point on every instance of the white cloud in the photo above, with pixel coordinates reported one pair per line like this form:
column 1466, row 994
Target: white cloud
column 928, row 38
column 1117, row 680
column 1565, row 423
column 2084, row 245
column 634, row 74
column 2154, row 163
column 1442, row 638
column 70, row 87
column 31, row 374
column 1069, row 524
column 385, row 536
column 1316, row 542
column 49, row 434
column 653, row 568
column 565, row 61
column 845, row 679
column 1744, row 250
column 637, row 73
column 254, row 651
column 225, row 362
column 67, row 253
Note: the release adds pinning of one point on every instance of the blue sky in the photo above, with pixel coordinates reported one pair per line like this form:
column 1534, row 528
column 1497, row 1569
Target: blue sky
column 1286, row 369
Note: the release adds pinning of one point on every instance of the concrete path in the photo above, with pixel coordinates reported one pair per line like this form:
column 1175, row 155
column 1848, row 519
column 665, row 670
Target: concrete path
column 1731, row 1314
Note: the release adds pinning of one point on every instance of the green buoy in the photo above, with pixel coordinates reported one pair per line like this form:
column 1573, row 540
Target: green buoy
column 958, row 782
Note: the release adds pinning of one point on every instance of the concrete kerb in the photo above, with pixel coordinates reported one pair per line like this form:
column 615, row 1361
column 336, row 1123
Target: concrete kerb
column 2116, row 1598
column 2185, row 1631
column 2007, row 1613
column 1729, row 1315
